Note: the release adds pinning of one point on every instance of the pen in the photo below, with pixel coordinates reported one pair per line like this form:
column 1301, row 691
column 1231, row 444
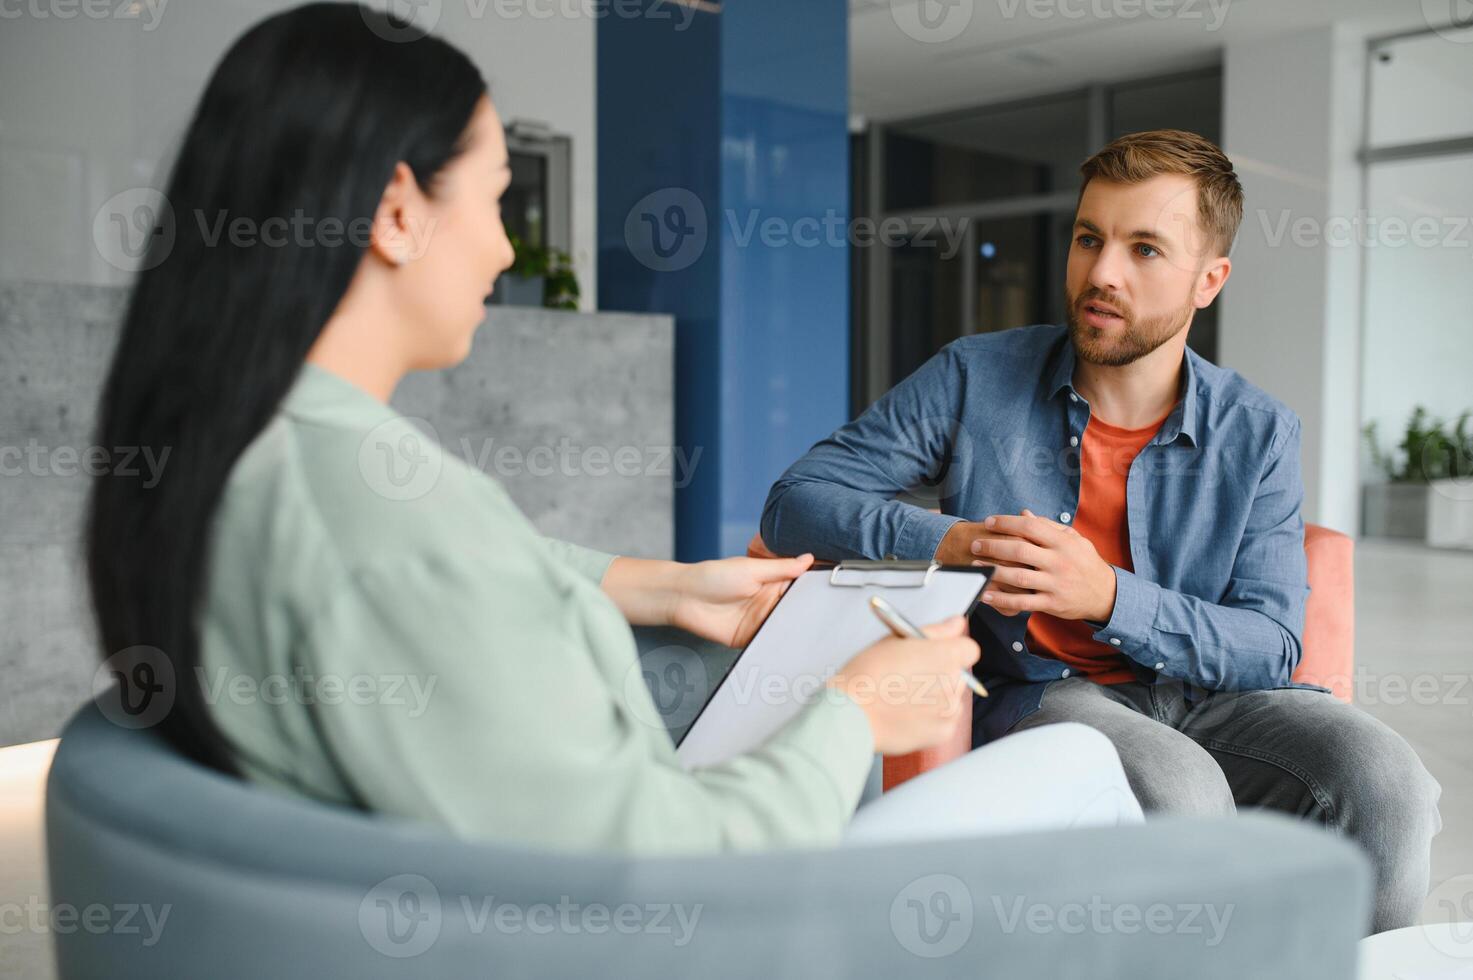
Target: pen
column 903, row 628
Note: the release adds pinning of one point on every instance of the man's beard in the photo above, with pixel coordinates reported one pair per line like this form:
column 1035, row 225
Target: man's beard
column 1136, row 339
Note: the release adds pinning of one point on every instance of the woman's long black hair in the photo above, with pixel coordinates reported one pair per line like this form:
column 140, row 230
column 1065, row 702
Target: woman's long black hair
column 304, row 119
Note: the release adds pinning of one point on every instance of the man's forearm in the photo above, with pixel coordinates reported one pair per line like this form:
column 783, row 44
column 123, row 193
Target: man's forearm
column 1218, row 647
column 835, row 522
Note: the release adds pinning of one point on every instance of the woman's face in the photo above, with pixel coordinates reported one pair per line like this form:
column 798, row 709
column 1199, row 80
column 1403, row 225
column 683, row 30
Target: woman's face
column 455, row 246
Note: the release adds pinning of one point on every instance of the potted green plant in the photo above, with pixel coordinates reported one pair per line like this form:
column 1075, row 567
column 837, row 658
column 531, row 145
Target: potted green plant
column 539, row 276
column 1428, row 493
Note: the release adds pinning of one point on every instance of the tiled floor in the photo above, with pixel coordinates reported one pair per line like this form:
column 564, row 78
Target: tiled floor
column 1414, row 671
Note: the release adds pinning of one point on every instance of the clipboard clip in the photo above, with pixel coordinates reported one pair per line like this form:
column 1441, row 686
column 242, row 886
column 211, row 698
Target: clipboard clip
column 892, row 573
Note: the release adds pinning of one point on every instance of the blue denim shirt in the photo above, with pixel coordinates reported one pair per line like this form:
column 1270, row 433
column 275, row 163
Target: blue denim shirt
column 991, row 425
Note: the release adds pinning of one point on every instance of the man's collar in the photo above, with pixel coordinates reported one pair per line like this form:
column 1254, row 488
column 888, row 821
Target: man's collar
column 1181, row 422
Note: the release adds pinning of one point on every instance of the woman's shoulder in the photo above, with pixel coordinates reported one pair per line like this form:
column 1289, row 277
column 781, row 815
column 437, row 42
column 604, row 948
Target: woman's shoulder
column 337, row 498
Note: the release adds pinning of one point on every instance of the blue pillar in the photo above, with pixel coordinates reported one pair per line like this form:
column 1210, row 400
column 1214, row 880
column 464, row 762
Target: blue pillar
column 723, row 190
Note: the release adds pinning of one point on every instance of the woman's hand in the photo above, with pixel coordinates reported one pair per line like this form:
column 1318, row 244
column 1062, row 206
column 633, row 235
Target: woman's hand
column 723, row 601
column 912, row 691
column 727, row 600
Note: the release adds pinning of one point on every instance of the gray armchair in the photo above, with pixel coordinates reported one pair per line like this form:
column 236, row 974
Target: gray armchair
column 194, row 874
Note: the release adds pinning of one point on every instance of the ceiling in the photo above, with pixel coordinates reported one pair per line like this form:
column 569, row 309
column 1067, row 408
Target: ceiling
column 917, row 57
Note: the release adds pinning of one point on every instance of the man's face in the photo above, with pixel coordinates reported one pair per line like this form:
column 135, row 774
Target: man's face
column 1138, row 268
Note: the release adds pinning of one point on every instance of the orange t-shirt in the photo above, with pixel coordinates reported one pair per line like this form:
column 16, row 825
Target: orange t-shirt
column 1105, row 455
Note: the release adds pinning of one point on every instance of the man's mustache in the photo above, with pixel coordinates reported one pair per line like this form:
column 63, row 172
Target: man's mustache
column 1095, row 293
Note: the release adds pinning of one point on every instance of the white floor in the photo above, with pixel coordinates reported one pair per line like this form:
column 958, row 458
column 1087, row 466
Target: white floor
column 1414, row 671
column 25, row 945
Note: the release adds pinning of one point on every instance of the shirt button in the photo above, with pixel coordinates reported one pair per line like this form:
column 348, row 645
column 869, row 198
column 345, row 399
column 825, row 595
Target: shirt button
column 1065, row 672
column 1017, row 647
column 1064, row 517
column 1073, row 397
column 1161, row 666
column 1073, row 440
column 1115, row 641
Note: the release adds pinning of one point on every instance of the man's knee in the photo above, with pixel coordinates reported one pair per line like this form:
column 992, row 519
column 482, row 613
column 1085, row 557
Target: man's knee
column 1381, row 786
column 1174, row 775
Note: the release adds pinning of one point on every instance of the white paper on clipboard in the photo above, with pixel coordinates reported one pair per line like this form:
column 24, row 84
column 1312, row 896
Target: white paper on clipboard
column 816, row 629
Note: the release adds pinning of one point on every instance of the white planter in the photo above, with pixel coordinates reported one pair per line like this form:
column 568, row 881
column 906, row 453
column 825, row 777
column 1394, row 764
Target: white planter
column 520, row 290
column 1450, row 513
column 1395, row 510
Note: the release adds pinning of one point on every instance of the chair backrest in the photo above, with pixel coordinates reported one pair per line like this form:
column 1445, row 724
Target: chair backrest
column 230, row 880
column 1329, row 614
column 172, row 870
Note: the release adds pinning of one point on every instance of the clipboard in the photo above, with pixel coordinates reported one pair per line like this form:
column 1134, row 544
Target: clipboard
column 820, row 623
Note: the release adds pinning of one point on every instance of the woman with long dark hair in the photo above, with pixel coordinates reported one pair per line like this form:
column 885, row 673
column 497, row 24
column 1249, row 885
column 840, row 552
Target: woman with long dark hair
column 276, row 552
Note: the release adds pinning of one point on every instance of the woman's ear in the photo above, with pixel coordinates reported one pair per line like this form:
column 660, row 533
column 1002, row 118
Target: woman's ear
column 391, row 237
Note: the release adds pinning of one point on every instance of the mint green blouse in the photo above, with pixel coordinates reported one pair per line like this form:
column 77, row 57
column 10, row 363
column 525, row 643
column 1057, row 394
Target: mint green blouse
column 383, row 628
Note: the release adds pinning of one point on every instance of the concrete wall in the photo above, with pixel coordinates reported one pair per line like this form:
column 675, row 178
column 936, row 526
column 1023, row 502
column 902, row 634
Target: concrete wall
column 91, row 107
column 572, row 412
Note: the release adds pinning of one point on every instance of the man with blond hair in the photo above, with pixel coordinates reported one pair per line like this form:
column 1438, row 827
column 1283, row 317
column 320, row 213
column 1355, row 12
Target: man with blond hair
column 1143, row 508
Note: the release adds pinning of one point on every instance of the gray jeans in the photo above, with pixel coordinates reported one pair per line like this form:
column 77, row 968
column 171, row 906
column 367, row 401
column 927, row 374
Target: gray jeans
column 1298, row 751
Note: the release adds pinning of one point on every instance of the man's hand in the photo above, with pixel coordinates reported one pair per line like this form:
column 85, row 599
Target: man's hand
column 1044, row 567
column 956, row 547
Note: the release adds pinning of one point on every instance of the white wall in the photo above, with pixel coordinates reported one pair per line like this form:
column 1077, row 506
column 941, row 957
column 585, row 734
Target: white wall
column 1419, row 298
column 1290, row 318
column 93, row 106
